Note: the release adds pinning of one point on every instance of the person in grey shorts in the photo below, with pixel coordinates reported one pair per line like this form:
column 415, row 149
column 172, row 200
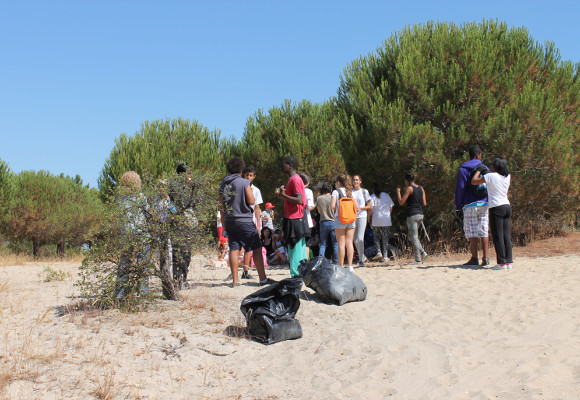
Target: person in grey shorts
column 472, row 202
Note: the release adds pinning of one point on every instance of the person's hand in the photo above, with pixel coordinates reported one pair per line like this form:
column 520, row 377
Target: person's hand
column 282, row 192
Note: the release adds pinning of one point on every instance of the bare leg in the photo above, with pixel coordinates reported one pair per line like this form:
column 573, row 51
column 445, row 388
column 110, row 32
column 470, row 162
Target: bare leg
column 259, row 261
column 234, row 263
column 248, row 260
column 341, row 239
column 473, row 241
column 485, row 246
column 349, row 237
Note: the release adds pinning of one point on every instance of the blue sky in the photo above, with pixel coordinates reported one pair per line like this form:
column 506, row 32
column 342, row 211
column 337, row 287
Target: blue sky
column 74, row 75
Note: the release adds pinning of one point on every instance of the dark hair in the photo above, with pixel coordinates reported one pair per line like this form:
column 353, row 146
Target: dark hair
column 235, row 165
column 305, row 178
column 326, row 188
column 181, row 168
column 474, row 151
column 409, row 176
column 377, row 189
column 249, row 168
column 359, row 177
column 500, row 166
column 262, row 232
column 289, row 160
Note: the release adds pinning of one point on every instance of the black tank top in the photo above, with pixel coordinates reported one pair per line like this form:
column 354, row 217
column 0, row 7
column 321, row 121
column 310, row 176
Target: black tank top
column 269, row 249
column 414, row 201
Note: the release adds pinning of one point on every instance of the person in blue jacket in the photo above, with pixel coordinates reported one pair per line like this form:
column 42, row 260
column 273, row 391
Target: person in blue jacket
column 471, row 201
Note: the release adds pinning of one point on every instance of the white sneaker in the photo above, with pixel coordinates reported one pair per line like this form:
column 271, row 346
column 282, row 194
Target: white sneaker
column 509, row 266
column 350, row 268
column 500, row 267
column 415, row 263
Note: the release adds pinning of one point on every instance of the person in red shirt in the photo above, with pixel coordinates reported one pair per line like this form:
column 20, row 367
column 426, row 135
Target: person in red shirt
column 295, row 226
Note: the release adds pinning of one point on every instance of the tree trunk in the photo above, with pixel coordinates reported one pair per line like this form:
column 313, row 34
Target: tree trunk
column 166, row 273
column 35, row 248
column 60, row 248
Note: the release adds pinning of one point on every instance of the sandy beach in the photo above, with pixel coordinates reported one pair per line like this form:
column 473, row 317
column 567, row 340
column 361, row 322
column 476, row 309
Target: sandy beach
column 437, row 331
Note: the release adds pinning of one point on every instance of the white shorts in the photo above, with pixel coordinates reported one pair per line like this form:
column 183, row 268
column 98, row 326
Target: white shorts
column 475, row 221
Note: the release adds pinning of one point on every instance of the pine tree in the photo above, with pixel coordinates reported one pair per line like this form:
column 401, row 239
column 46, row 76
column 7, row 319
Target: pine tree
column 46, row 209
column 432, row 90
column 159, row 147
column 303, row 130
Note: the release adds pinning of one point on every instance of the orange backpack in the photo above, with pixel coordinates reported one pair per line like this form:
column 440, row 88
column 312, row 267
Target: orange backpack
column 347, row 209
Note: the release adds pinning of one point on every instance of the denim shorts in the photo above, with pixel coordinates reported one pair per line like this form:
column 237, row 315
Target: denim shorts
column 243, row 234
column 339, row 225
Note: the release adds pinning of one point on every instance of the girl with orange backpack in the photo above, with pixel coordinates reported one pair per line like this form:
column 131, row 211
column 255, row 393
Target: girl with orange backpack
column 345, row 212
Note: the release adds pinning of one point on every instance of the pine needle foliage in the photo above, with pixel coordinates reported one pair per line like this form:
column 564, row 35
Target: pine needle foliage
column 158, row 147
column 433, row 90
column 303, row 130
column 48, row 209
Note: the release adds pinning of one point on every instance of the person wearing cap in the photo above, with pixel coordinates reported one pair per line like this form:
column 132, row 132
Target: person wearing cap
column 268, row 216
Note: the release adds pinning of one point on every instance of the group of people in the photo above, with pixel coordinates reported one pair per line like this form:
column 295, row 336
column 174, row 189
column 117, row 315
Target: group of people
column 248, row 233
column 480, row 196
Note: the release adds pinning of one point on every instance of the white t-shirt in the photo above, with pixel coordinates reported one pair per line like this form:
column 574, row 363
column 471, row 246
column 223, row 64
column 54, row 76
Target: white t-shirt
column 257, row 200
column 219, row 219
column 361, row 196
column 309, row 203
column 382, row 209
column 497, row 188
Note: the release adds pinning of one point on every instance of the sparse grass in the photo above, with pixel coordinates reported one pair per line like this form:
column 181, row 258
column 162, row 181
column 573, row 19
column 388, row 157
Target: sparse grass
column 11, row 258
column 105, row 385
column 7, row 258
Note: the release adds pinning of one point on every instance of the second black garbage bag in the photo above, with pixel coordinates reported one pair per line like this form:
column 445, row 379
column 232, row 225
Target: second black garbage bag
column 270, row 311
column 332, row 282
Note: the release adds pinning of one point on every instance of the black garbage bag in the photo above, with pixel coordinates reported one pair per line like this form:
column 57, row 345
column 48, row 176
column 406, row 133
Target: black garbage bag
column 270, row 311
column 332, row 282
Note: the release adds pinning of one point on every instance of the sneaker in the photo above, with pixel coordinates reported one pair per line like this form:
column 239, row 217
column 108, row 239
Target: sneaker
column 361, row 264
column 509, row 266
column 235, row 284
column 350, row 268
column 267, row 281
column 425, row 256
column 500, row 267
column 416, row 262
column 484, row 262
column 246, row 275
column 473, row 261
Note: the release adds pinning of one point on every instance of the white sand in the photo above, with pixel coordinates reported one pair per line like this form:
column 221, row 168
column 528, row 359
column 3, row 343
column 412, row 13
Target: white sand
column 433, row 332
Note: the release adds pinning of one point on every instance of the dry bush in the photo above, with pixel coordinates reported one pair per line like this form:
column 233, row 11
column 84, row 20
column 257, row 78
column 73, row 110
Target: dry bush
column 8, row 258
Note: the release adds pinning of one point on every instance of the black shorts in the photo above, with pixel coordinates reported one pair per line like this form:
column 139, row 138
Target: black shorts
column 243, row 234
